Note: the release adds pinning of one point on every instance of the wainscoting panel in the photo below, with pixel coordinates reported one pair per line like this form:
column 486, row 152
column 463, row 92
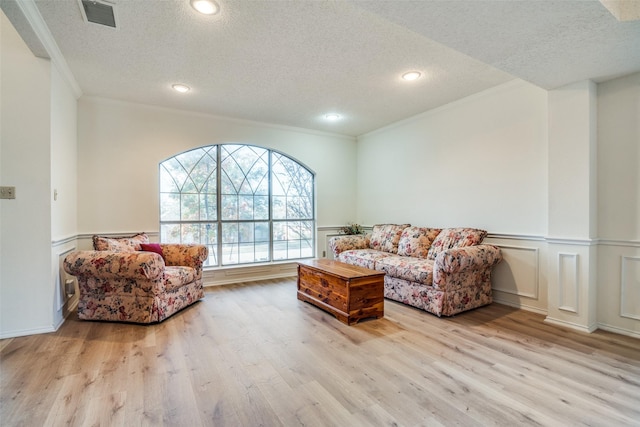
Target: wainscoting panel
column 630, row 287
column 568, row 285
column 517, row 274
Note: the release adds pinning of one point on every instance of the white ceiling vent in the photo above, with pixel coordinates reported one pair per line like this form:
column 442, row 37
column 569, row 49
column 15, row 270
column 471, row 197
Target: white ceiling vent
column 98, row 12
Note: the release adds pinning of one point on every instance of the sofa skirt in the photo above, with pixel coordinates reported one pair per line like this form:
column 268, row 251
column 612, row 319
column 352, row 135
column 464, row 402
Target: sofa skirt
column 435, row 301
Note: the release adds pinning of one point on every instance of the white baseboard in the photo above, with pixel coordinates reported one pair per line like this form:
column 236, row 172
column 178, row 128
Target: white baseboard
column 571, row 325
column 25, row 332
column 618, row 330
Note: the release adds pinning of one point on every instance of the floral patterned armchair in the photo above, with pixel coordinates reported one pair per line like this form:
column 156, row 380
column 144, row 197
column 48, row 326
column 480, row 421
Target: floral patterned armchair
column 131, row 280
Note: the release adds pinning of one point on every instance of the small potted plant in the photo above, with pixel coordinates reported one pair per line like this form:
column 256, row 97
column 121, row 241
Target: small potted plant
column 351, row 229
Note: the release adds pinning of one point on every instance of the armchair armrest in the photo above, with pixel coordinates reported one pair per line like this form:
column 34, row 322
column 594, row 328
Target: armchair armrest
column 468, row 266
column 193, row 255
column 339, row 244
column 114, row 265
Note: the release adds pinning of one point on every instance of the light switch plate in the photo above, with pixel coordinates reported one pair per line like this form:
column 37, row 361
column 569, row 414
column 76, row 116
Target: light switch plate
column 7, row 192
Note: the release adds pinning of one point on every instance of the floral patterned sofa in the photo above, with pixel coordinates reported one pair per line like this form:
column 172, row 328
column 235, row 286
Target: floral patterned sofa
column 131, row 280
column 442, row 271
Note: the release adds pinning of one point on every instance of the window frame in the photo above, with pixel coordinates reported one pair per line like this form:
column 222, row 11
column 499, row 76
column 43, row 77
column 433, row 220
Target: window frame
column 215, row 259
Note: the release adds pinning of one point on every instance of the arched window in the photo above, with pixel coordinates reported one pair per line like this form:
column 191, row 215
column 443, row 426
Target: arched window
column 247, row 204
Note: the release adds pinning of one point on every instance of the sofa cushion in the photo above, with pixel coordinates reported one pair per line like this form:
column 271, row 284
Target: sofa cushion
column 385, row 237
column 120, row 244
column 455, row 238
column 417, row 270
column 416, row 241
column 362, row 257
column 175, row 277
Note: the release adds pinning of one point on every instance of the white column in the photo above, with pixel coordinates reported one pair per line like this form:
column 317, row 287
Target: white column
column 573, row 206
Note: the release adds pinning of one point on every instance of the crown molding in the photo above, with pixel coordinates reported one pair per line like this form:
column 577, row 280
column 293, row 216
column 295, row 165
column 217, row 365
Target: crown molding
column 34, row 18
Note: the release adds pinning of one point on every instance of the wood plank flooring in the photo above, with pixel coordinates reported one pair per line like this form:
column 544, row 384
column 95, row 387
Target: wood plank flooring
column 253, row 355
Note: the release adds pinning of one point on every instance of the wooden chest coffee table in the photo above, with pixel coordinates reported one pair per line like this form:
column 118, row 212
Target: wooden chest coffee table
column 348, row 292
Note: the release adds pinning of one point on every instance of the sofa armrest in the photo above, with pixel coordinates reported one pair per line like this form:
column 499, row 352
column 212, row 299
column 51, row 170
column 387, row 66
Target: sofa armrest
column 193, row 255
column 339, row 244
column 457, row 259
column 468, row 266
column 115, row 265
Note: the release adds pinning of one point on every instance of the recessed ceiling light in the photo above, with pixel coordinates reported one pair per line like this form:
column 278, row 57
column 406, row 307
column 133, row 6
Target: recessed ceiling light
column 332, row 117
column 411, row 75
column 206, row 7
column 181, row 88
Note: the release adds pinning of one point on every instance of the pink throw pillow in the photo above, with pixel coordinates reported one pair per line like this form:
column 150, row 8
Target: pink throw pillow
column 152, row 247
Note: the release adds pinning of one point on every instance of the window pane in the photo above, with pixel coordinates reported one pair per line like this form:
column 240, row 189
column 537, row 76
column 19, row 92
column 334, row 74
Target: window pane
column 261, row 207
column 167, row 182
column 169, row 206
column 209, row 237
column 262, row 252
column 244, row 169
column 245, row 207
column 306, row 230
column 230, row 232
column 208, row 207
column 190, row 233
column 230, row 243
column 262, row 231
column 190, row 207
column 176, row 171
column 306, row 248
column 170, row 233
column 229, row 207
column 279, row 250
column 279, row 231
column 246, row 253
column 245, row 232
column 279, row 207
column 293, row 249
column 203, row 174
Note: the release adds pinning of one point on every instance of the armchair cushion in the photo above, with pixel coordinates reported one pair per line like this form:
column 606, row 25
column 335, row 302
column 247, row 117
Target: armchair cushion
column 119, row 244
column 175, row 277
column 189, row 255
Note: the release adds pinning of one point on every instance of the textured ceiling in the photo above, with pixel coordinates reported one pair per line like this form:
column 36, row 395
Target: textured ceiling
column 291, row 62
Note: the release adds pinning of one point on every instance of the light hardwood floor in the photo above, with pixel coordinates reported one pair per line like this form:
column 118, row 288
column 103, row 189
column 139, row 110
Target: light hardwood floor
column 253, row 355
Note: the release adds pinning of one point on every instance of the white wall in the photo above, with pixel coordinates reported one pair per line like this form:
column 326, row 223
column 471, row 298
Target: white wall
column 120, row 145
column 478, row 162
column 619, row 204
column 26, row 295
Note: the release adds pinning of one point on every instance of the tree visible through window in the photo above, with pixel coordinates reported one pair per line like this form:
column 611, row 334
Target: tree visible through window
column 247, row 204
